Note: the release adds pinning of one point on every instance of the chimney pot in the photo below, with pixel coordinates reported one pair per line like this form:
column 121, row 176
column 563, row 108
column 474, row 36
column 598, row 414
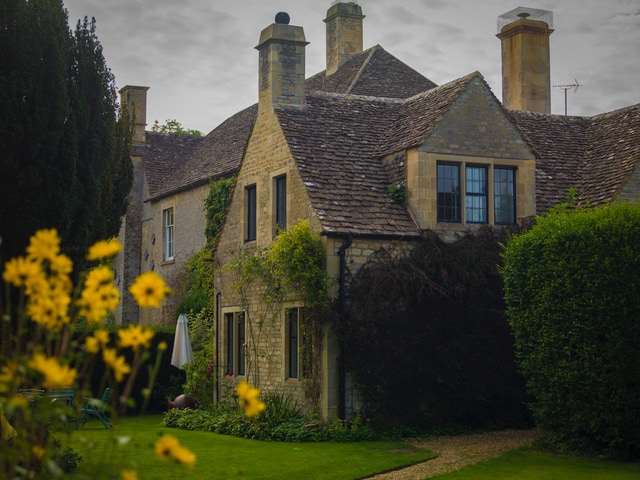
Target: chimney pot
column 283, row 18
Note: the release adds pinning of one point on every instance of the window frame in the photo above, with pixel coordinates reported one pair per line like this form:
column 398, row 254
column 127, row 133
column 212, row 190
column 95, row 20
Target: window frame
column 472, row 197
column 490, row 187
column 497, row 197
column 280, row 203
column 293, row 343
column 251, row 212
column 168, row 234
column 235, row 343
column 448, row 212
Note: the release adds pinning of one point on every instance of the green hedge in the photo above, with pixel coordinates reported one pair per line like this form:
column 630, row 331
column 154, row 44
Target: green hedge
column 572, row 287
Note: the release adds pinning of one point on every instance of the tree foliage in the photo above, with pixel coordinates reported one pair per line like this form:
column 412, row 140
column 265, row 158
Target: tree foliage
column 427, row 338
column 65, row 151
column 174, row 127
column 572, row 290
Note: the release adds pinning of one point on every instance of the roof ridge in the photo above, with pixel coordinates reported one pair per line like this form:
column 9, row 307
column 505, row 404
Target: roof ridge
column 357, row 76
column 352, row 96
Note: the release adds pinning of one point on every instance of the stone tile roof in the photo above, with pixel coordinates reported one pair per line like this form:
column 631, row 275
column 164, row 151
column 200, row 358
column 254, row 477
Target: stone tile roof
column 335, row 142
column 215, row 155
column 162, row 155
column 594, row 155
column 418, row 115
column 613, row 154
column 374, row 72
column 376, row 106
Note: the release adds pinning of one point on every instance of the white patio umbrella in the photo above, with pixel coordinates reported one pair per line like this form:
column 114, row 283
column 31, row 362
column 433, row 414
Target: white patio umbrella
column 182, row 352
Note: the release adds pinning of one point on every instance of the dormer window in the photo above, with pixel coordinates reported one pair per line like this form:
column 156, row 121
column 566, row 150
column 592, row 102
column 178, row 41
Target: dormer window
column 481, row 182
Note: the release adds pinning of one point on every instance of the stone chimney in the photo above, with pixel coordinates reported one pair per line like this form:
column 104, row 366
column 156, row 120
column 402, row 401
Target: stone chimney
column 526, row 74
column 344, row 33
column 135, row 98
column 282, row 64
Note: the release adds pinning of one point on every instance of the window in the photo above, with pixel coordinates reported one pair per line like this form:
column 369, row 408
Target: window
column 293, row 344
column 298, row 362
column 504, row 188
column 250, row 203
column 476, row 194
column 235, row 340
column 448, row 192
column 280, row 202
column 167, row 220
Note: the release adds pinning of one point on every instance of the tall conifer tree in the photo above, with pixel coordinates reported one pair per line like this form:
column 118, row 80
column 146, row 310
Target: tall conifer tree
column 65, row 151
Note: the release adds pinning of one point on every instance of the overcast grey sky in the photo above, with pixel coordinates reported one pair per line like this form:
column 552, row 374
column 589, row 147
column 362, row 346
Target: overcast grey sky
column 198, row 56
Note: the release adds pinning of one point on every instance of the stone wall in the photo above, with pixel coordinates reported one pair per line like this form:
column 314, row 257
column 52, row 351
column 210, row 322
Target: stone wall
column 189, row 224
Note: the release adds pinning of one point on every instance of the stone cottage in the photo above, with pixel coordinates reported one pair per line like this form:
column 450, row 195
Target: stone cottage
column 327, row 148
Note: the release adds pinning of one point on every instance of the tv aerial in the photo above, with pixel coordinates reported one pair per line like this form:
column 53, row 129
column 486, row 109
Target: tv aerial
column 571, row 86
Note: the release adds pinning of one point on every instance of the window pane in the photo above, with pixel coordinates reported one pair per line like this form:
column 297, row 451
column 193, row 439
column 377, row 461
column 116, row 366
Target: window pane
column 241, row 345
column 476, row 194
column 281, row 203
column 229, row 323
column 448, row 193
column 251, row 212
column 293, row 342
column 168, row 234
column 504, row 195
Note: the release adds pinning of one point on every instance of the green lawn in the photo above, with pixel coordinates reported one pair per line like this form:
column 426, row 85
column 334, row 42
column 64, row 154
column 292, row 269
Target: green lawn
column 531, row 464
column 130, row 445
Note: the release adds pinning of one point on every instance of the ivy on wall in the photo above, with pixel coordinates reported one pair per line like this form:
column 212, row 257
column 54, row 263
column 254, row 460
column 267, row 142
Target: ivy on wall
column 292, row 269
column 215, row 206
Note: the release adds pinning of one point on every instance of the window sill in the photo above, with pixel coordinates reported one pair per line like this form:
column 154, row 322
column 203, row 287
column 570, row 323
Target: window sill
column 168, row 262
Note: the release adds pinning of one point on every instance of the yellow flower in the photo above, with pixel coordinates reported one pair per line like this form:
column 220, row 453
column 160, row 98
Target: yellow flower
column 38, row 451
column 184, row 455
column 61, row 264
column 149, row 290
column 50, row 308
column 91, row 345
column 116, row 362
column 99, row 296
column 21, row 271
column 165, row 446
column 8, row 377
column 248, row 397
column 19, row 401
column 55, row 374
column 104, row 249
column 134, row 337
column 44, row 245
column 102, row 336
column 162, row 346
column 129, row 474
column 168, row 446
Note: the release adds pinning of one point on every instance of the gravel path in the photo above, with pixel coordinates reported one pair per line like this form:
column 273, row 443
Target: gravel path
column 455, row 452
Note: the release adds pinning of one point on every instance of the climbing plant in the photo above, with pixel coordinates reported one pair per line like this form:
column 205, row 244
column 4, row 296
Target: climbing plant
column 290, row 269
column 215, row 206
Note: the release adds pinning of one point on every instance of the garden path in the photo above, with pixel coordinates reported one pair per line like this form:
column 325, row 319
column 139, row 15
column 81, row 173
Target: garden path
column 458, row 451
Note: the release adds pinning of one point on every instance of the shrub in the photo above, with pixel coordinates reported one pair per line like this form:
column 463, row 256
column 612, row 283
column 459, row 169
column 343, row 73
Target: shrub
column 435, row 314
column 572, row 291
column 280, row 421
